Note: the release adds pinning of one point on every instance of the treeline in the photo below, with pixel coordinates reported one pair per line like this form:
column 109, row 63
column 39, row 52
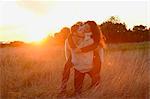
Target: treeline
column 118, row 33
column 114, row 31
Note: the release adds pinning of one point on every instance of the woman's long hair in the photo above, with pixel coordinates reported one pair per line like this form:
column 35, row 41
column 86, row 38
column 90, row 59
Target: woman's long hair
column 102, row 39
column 97, row 33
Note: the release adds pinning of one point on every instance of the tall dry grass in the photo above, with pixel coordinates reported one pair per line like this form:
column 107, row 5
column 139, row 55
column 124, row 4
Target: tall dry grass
column 35, row 73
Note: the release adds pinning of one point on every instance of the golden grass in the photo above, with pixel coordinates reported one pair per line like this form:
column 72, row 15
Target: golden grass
column 35, row 73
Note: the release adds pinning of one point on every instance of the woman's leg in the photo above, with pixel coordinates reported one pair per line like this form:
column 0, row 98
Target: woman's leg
column 95, row 72
column 78, row 81
column 96, row 62
column 95, row 78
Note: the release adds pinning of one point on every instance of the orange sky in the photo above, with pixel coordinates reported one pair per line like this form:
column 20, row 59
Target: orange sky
column 32, row 20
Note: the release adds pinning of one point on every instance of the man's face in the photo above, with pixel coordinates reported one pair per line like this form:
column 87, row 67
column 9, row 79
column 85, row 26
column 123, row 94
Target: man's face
column 80, row 32
column 87, row 28
column 84, row 29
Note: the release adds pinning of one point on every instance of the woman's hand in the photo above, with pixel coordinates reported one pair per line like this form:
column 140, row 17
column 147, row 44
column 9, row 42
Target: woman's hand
column 78, row 50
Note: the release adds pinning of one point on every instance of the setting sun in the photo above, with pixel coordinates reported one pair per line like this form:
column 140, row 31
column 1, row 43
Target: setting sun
column 36, row 32
column 74, row 49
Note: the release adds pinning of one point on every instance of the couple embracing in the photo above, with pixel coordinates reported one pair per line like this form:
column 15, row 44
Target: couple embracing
column 84, row 52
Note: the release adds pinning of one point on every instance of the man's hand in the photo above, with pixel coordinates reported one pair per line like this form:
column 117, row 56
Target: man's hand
column 78, row 50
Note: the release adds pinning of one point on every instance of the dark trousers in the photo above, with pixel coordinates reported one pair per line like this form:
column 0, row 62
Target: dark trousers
column 94, row 74
column 79, row 77
column 66, row 74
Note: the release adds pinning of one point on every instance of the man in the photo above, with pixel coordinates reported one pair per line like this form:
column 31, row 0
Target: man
column 77, row 37
column 68, row 64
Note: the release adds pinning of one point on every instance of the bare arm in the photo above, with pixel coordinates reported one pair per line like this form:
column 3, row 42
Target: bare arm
column 67, row 50
column 96, row 38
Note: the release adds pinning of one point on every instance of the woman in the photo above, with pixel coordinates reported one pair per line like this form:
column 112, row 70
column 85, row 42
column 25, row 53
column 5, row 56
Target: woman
column 94, row 72
column 68, row 64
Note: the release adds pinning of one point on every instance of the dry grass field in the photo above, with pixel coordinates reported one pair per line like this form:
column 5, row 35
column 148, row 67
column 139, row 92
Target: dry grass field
column 35, row 73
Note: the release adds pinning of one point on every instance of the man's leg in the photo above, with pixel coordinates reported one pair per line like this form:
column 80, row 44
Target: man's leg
column 78, row 81
column 65, row 76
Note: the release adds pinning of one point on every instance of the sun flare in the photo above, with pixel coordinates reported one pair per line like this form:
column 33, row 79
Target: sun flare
column 33, row 20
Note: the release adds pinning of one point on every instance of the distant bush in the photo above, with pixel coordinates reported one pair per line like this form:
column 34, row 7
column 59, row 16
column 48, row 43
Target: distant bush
column 12, row 44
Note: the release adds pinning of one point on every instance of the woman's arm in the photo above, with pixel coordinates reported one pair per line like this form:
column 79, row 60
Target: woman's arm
column 96, row 38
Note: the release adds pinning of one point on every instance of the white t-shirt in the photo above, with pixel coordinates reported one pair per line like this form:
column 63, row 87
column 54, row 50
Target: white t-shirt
column 83, row 62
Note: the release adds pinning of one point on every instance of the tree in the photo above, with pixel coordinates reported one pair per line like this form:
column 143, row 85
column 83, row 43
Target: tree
column 114, row 30
column 114, row 19
column 16, row 43
column 139, row 28
column 61, row 36
column 65, row 32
